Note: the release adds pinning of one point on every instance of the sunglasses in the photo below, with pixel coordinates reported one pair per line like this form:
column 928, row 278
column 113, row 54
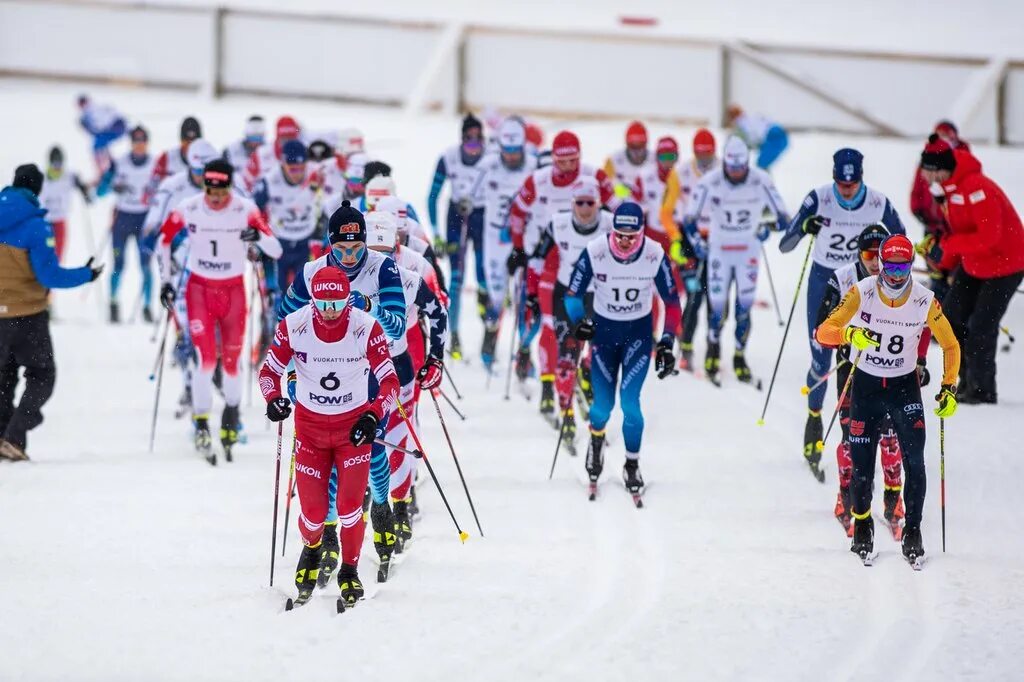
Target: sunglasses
column 897, row 269
column 668, row 156
column 869, row 255
column 585, row 202
column 337, row 304
column 626, row 236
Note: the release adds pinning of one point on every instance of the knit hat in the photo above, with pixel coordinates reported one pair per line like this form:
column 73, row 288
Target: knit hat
column 469, row 123
column 937, row 155
column 190, row 129
column 703, row 142
column 287, row 127
column 667, row 145
column 636, row 135
column 373, row 169
column 346, row 225
column 217, row 173
column 872, row 236
column 847, row 165
column 28, row 176
column 293, row 152
column 320, row 150
column 565, row 146
column 629, row 218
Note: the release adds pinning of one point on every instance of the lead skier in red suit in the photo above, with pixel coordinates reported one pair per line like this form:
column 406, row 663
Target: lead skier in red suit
column 220, row 225
column 340, row 352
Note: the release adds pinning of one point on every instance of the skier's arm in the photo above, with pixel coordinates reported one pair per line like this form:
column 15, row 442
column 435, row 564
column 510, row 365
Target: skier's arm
column 296, row 297
column 668, row 206
column 829, row 301
column 106, row 180
column 171, row 227
column 666, row 285
column 830, row 332
column 776, row 205
column 536, row 262
column 383, row 369
column 261, row 196
column 268, row 243
column 438, row 272
column 943, row 333
column 440, row 175
column 437, row 318
column 83, row 189
column 694, row 208
column 607, row 190
column 891, row 219
column 389, row 308
column 276, row 363
column 795, row 231
column 582, row 273
column 519, row 212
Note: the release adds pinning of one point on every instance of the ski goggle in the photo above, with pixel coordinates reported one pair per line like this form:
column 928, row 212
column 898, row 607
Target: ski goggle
column 897, row 270
column 336, row 304
column 869, row 255
column 667, row 157
column 625, row 237
column 585, row 202
column 512, row 149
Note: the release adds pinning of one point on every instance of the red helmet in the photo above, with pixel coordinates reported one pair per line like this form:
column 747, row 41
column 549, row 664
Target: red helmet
column 566, row 146
column 329, row 290
column 287, row 127
column 703, row 142
column 896, row 249
column 636, row 135
column 667, row 144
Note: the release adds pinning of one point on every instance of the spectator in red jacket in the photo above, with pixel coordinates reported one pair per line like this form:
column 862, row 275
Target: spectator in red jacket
column 929, row 211
column 986, row 236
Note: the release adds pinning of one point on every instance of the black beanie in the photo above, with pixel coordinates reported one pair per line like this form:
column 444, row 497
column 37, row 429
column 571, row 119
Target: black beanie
column 28, row 176
column 56, row 156
column 217, row 173
column 346, row 225
column 190, row 129
column 471, row 122
column 375, row 168
column 937, row 155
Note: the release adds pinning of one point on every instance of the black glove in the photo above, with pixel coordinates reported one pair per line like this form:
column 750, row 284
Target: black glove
column 364, row 430
column 167, row 295
column 278, row 409
column 533, row 306
column 516, row 260
column 250, row 234
column 96, row 270
column 584, row 330
column 923, row 376
column 664, row 361
column 813, row 224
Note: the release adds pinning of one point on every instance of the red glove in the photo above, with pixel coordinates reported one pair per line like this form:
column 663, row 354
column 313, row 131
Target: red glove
column 430, row 374
column 316, row 249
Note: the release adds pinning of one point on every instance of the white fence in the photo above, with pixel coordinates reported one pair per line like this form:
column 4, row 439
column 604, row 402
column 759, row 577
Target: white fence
column 557, row 73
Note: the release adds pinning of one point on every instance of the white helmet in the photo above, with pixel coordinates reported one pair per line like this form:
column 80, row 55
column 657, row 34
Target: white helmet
column 200, row 152
column 381, row 186
column 381, row 229
column 350, row 141
column 512, row 134
column 736, row 154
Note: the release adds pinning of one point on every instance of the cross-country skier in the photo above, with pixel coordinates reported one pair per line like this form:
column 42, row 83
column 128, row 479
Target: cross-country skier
column 564, row 239
column 625, row 166
column 883, row 318
column 174, row 160
column 240, row 153
column 742, row 205
column 105, row 125
column 501, row 176
column 220, row 226
column 625, row 268
column 335, row 346
column 835, row 215
column 128, row 177
column 460, row 166
column 55, row 197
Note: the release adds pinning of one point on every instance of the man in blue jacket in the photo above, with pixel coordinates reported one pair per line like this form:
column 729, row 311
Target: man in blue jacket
column 28, row 269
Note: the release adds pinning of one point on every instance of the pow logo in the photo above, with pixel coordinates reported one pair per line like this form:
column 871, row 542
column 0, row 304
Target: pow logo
column 856, row 428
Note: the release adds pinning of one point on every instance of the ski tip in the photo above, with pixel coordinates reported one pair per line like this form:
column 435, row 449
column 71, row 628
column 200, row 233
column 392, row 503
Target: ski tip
column 289, row 605
column 760, row 422
column 759, row 385
column 341, row 605
column 463, row 535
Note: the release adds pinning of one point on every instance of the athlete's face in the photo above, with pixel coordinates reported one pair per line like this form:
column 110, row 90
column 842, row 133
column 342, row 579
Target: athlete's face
column 848, row 190
column 217, row 197
column 295, row 172
column 349, row 253
column 705, row 161
column 473, row 142
column 585, row 208
column 566, row 166
column 737, row 173
column 666, row 160
column 939, row 176
column 139, row 147
column 636, row 154
column 512, row 159
column 869, row 259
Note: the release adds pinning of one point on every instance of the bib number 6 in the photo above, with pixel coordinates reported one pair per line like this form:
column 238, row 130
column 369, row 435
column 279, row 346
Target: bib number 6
column 330, row 382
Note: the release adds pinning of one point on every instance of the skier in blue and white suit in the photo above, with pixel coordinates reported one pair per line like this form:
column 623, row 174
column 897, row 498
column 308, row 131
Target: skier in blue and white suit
column 624, row 268
column 835, row 214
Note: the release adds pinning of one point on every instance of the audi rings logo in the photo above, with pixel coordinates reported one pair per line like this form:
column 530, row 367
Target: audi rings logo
column 357, row 460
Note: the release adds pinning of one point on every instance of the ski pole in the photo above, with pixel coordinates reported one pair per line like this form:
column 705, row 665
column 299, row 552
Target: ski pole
column 159, row 382
column 942, row 477
column 558, row 446
column 1009, row 336
column 512, row 346
column 418, row 454
column 771, row 285
column 842, row 397
column 805, row 390
column 463, row 535
column 277, row 492
column 288, row 502
column 452, row 405
column 451, row 381
column 444, row 427
column 158, row 360
column 792, row 309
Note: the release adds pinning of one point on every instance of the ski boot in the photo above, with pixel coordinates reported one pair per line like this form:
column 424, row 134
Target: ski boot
column 894, row 513
column 739, row 365
column 331, row 550
column 115, row 313
column 633, row 481
column 385, row 537
column 595, row 461
column 523, row 364
column 711, row 363
column 686, row 357
column 351, row 587
column 306, row 574
column 403, row 522
column 454, row 346
column 813, row 446
column 863, row 544
column 414, row 507
column 913, row 549
column 569, row 430
column 203, row 440
column 489, row 345
column 842, row 510
column 482, row 301
column 229, row 428
column 547, row 400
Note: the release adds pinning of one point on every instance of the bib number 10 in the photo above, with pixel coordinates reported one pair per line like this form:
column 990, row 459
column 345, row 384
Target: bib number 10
column 629, row 295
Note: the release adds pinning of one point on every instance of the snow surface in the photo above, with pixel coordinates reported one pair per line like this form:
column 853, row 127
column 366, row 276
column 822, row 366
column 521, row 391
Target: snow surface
column 117, row 564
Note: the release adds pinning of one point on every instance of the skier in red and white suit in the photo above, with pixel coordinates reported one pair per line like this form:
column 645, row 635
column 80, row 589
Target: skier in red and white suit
column 221, row 225
column 546, row 192
column 336, row 348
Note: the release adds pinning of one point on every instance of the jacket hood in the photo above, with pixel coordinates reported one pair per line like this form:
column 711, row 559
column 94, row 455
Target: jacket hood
column 16, row 206
column 967, row 164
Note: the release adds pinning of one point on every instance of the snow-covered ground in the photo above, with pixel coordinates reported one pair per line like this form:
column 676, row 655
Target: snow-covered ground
column 118, row 564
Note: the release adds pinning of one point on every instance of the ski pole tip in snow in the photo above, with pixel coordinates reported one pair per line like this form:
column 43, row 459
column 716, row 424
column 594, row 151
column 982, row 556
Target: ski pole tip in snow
column 805, row 390
column 463, row 535
column 760, row 422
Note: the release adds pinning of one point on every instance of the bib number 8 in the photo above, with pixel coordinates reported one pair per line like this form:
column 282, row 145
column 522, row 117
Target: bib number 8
column 836, row 243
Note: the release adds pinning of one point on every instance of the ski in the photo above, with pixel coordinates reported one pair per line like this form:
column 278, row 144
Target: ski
column 867, row 558
column 227, row 454
column 916, row 562
column 384, row 570
column 592, row 490
column 301, row 600
column 638, row 500
column 715, row 380
column 816, row 471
